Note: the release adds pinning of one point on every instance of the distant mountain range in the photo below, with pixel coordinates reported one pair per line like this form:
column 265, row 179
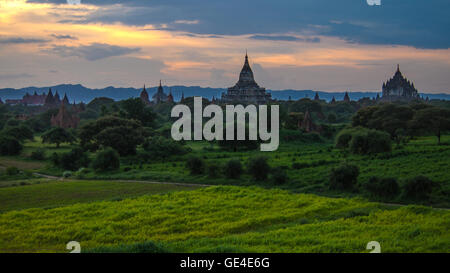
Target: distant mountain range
column 80, row 93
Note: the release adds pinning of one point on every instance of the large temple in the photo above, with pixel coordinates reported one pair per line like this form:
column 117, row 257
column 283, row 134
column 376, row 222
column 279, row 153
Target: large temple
column 399, row 88
column 246, row 90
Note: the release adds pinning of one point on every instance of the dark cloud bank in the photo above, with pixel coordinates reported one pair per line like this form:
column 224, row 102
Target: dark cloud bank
column 417, row 23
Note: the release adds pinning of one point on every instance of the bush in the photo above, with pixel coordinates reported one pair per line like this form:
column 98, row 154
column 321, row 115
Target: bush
column 418, row 187
column 105, row 160
column 10, row 146
column 233, row 169
column 344, row 137
column 195, row 165
column 81, row 173
column 12, row 171
column 72, row 160
column 38, row 154
column 258, row 168
column 279, row 175
column 67, row 174
column 370, row 142
column 382, row 187
column 213, row 170
column 160, row 147
column 344, row 177
column 20, row 132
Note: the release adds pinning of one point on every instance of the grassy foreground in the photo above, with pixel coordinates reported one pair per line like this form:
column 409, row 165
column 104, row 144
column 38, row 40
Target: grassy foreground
column 232, row 219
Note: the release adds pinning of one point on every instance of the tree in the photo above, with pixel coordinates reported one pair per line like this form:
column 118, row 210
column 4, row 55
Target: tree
column 72, row 160
column 136, row 109
column 107, row 159
column 433, row 119
column 123, row 139
column 57, row 136
column 370, row 142
column 391, row 118
column 20, row 132
column 121, row 134
column 9, row 145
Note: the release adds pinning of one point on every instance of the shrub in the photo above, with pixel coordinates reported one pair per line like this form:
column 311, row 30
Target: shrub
column 9, row 146
column 160, row 147
column 258, row 168
column 81, row 173
column 20, row 132
column 344, row 177
column 38, row 154
column 233, row 169
column 213, row 169
column 196, row 165
column 12, row 171
column 72, row 160
column 67, row 174
column 418, row 187
column 105, row 160
column 370, row 142
column 382, row 187
column 344, row 137
column 279, row 175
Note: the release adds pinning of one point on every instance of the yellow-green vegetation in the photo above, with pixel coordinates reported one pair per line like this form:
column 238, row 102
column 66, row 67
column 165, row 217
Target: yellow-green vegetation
column 229, row 218
column 44, row 193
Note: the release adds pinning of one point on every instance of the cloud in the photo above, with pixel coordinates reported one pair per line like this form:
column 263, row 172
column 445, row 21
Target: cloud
column 392, row 23
column 288, row 38
column 64, row 37
column 92, row 52
column 21, row 40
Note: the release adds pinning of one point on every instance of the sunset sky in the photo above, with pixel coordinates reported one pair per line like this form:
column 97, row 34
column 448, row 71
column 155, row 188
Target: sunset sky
column 323, row 45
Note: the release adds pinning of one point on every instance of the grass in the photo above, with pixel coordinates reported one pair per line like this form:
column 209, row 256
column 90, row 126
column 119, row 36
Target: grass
column 44, row 193
column 228, row 218
column 315, row 161
column 421, row 156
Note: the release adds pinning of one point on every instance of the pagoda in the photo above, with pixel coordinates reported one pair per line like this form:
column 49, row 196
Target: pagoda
column 246, row 90
column 399, row 88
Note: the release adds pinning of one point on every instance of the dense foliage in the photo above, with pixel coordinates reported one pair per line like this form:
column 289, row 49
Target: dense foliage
column 107, row 159
column 258, row 167
column 9, row 145
column 57, row 136
column 344, row 177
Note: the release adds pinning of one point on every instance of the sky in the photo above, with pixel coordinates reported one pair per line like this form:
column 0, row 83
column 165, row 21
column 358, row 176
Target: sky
column 325, row 45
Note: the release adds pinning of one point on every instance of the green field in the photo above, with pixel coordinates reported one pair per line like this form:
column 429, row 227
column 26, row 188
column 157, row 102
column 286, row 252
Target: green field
column 43, row 193
column 227, row 218
column 421, row 156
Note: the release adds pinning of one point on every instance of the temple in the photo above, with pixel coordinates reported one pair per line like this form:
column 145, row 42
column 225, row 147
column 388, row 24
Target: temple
column 399, row 88
column 64, row 118
column 246, row 90
column 159, row 96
